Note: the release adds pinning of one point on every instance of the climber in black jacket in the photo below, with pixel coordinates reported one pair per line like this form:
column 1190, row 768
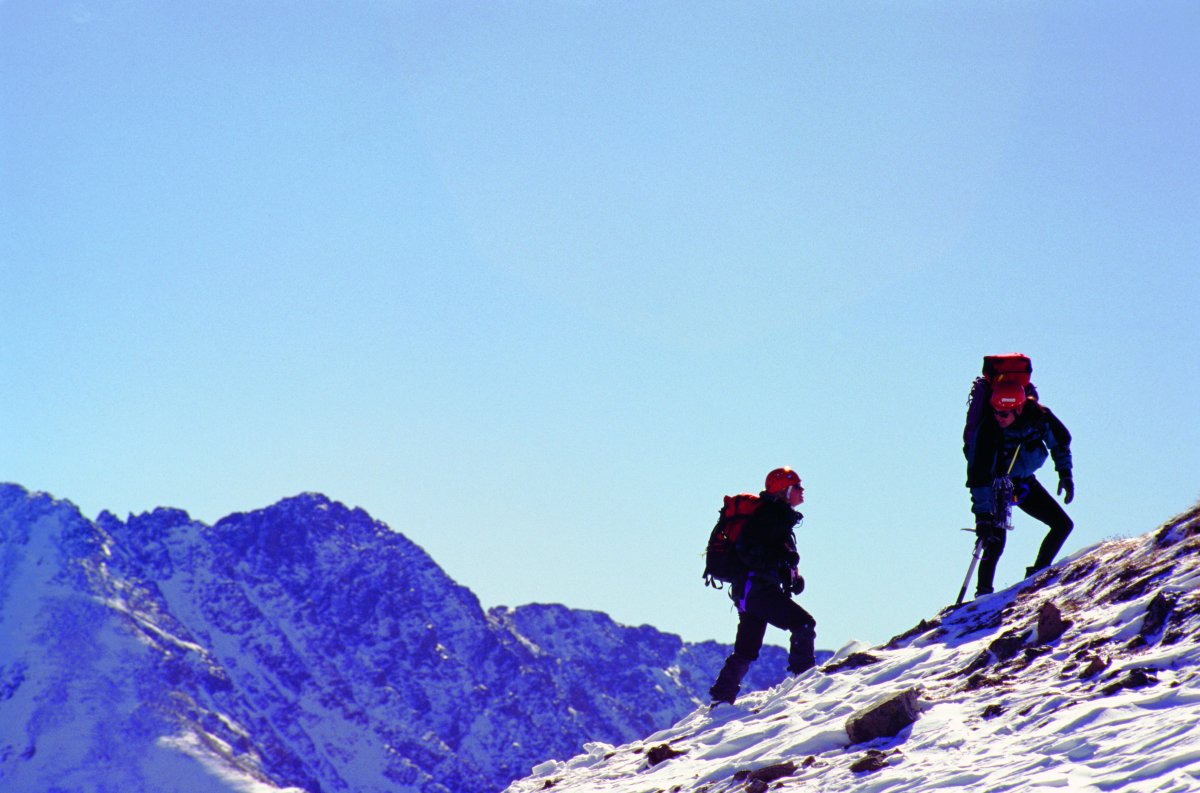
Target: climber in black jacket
column 767, row 547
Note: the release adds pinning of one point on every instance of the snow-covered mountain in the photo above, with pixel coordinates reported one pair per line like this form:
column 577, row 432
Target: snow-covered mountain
column 1085, row 678
column 302, row 647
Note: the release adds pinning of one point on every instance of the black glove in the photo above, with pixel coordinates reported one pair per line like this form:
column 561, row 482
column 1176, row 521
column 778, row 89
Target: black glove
column 796, row 585
column 1066, row 487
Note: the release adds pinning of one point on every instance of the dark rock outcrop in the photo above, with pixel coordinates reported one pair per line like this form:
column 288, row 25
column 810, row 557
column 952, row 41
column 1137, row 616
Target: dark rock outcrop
column 662, row 753
column 1050, row 624
column 872, row 760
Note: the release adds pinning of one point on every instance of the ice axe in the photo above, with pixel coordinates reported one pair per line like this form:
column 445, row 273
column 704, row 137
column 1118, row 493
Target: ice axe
column 1006, row 486
column 974, row 561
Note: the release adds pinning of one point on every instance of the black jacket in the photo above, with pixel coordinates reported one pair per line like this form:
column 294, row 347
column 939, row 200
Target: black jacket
column 767, row 544
column 1037, row 432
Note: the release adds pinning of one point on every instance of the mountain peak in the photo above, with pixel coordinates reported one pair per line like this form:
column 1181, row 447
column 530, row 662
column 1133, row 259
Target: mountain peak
column 304, row 646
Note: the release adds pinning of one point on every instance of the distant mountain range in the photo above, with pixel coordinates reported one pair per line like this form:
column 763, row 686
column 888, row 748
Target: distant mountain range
column 302, row 647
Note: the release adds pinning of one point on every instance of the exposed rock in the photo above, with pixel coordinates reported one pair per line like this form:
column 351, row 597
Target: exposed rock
column 982, row 621
column 980, row 680
column 662, row 753
column 999, row 651
column 980, row 663
column 1136, row 582
column 1157, row 612
column 1185, row 609
column 1181, row 527
column 992, row 711
column 1093, row 644
column 1008, row 645
column 1050, row 625
column 1033, row 653
column 761, row 778
column 1078, row 571
column 1138, row 677
column 852, row 661
column 873, row 760
column 1084, row 665
column 923, row 626
column 773, row 772
column 1094, row 667
column 885, row 719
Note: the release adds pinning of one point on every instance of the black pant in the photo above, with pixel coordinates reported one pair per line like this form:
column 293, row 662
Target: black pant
column 761, row 601
column 1040, row 505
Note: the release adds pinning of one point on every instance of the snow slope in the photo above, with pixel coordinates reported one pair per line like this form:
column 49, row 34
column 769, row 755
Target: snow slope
column 303, row 647
column 1086, row 678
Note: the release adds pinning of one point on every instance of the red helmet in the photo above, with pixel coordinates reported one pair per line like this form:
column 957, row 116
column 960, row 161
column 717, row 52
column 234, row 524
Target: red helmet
column 781, row 479
column 1008, row 395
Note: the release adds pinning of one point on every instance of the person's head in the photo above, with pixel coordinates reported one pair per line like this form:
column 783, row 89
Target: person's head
column 785, row 483
column 1008, row 399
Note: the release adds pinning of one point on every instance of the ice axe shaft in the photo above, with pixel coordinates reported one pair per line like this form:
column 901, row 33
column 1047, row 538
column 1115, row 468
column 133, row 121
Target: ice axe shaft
column 1007, row 510
column 962, row 593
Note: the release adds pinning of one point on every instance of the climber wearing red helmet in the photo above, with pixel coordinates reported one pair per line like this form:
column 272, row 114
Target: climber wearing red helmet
column 767, row 548
column 1014, row 439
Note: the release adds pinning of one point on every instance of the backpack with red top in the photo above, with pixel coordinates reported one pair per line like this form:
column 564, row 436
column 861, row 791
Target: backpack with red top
column 1001, row 375
column 721, row 562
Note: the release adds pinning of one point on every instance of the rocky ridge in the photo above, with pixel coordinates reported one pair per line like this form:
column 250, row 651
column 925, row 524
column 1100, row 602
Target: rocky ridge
column 1085, row 677
column 305, row 646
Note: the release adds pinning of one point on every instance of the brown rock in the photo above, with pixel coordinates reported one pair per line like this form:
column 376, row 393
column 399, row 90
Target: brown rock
column 1157, row 612
column 773, row 772
column 1050, row 625
column 853, row 661
column 1139, row 677
column 1094, row 667
column 885, row 719
column 872, row 761
column 661, row 753
column 1007, row 645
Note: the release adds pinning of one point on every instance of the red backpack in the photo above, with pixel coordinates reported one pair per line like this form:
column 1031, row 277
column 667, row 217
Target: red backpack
column 1013, row 367
column 721, row 562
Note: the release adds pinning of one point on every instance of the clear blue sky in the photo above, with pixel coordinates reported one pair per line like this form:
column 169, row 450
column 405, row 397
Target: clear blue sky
column 537, row 283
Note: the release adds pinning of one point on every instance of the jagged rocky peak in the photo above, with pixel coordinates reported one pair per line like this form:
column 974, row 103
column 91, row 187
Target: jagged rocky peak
column 310, row 531
column 30, row 517
column 304, row 645
column 146, row 526
column 297, row 524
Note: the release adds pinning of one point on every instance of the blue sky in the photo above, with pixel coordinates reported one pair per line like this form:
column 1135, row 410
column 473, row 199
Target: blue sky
column 538, row 283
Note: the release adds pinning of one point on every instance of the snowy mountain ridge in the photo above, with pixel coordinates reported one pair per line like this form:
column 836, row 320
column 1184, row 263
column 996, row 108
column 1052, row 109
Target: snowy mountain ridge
column 1084, row 678
column 302, row 647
